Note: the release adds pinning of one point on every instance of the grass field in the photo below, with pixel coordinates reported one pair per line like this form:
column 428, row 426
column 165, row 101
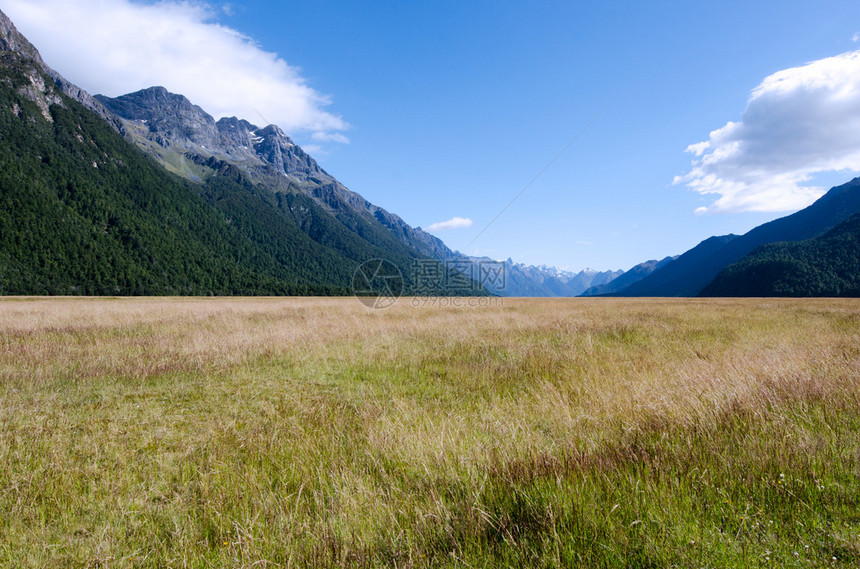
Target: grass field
column 318, row 432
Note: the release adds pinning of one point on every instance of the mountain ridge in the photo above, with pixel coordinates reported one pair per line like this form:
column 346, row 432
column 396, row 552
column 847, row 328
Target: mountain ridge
column 86, row 212
column 178, row 134
column 827, row 265
column 697, row 268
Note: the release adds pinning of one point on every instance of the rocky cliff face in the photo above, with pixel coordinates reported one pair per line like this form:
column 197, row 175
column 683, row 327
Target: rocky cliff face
column 276, row 148
column 46, row 83
column 171, row 120
column 12, row 40
column 19, row 52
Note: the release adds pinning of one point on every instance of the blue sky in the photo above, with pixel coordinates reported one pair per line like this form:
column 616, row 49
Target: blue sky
column 444, row 110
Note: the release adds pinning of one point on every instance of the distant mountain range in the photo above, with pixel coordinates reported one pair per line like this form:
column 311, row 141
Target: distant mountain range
column 529, row 280
column 629, row 277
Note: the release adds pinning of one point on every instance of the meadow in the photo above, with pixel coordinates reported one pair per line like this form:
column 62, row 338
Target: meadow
column 297, row 432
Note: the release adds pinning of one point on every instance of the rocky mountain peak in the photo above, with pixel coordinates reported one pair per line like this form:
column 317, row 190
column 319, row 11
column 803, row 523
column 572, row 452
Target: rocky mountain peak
column 171, row 118
column 168, row 119
column 277, row 149
column 157, row 102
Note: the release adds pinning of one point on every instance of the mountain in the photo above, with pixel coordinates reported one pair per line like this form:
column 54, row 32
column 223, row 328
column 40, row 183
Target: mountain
column 83, row 211
column 177, row 133
column 694, row 270
column 507, row 278
column 635, row 274
column 828, row 265
column 11, row 40
column 189, row 142
column 673, row 279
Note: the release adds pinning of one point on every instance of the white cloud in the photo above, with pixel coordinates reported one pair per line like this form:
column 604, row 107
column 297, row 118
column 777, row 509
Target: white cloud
column 115, row 47
column 314, row 150
column 856, row 37
column 698, row 148
column 330, row 137
column 798, row 122
column 453, row 223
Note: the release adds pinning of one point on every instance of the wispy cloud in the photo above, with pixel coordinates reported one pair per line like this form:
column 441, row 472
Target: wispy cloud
column 453, row 223
column 118, row 46
column 330, row 137
column 797, row 123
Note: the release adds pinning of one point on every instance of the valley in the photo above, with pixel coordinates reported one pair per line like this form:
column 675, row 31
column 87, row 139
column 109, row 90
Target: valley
column 169, row 432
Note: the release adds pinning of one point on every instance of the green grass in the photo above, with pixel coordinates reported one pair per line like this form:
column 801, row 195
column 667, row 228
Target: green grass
column 319, row 433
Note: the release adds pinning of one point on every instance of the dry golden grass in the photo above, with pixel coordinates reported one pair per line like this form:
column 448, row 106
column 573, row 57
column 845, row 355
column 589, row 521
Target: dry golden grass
column 316, row 432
